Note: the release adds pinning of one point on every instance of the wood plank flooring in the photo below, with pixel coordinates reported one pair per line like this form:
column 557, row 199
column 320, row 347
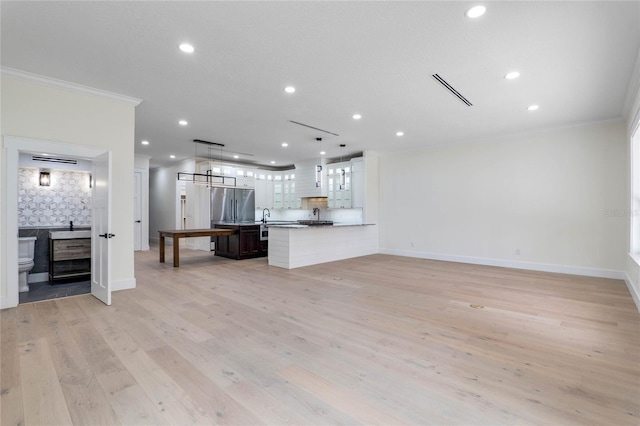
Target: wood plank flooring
column 374, row 340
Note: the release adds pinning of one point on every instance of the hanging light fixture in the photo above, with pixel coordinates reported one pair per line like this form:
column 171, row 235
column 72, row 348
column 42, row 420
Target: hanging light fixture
column 319, row 169
column 208, row 178
column 45, row 177
column 343, row 174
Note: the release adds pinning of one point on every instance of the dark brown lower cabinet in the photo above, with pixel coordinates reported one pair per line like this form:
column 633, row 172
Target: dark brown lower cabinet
column 245, row 244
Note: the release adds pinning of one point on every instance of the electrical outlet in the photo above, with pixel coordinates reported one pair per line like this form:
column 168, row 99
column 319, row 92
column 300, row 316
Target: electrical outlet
column 411, row 243
column 517, row 252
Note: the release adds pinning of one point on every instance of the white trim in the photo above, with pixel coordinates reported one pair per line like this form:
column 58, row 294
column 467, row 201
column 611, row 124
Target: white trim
column 66, row 85
column 13, row 145
column 126, row 284
column 38, row 277
column 632, row 90
column 635, row 257
column 543, row 267
column 632, row 290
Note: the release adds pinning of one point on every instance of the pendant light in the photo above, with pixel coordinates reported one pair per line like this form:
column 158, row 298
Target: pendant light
column 343, row 177
column 207, row 178
column 319, row 168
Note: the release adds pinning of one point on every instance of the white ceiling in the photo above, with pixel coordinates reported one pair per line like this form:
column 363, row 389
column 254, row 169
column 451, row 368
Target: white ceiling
column 374, row 58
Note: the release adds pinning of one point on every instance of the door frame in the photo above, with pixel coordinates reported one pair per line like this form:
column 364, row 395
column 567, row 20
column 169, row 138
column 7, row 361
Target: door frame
column 13, row 145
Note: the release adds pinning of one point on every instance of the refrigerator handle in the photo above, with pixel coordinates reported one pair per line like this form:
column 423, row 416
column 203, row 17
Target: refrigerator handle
column 236, row 213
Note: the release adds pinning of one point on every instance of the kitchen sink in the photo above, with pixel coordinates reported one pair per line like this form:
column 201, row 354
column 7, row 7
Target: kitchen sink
column 316, row 222
column 66, row 235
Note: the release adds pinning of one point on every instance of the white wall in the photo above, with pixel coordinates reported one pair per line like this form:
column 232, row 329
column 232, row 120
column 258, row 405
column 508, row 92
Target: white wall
column 633, row 123
column 545, row 194
column 164, row 200
column 38, row 111
column 141, row 165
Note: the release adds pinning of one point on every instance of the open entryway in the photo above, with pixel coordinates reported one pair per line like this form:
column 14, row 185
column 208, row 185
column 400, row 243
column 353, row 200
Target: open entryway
column 100, row 233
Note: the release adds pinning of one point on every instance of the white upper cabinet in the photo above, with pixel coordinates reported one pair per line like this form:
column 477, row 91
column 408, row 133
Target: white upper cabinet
column 339, row 185
column 290, row 199
column 245, row 178
column 357, row 182
column 264, row 189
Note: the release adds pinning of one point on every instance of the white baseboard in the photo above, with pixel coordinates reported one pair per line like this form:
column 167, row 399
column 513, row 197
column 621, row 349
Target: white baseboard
column 632, row 290
column 38, row 277
column 126, row 284
column 543, row 267
column 167, row 241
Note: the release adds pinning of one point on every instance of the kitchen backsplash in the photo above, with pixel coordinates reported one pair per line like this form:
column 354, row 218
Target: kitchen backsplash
column 337, row 215
column 67, row 199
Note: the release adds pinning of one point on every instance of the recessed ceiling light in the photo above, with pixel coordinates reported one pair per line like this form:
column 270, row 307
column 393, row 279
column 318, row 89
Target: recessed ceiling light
column 284, row 144
column 145, row 142
column 290, row 89
column 273, row 162
column 512, row 75
column 186, row 48
column 399, row 133
column 475, row 12
column 532, row 107
column 172, row 156
column 357, row 116
column 236, row 156
column 322, row 153
column 183, row 122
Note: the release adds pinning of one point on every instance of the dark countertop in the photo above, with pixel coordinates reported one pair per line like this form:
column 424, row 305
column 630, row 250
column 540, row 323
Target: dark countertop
column 236, row 224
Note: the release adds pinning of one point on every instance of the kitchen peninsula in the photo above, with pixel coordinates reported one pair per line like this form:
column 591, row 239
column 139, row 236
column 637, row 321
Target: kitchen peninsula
column 293, row 246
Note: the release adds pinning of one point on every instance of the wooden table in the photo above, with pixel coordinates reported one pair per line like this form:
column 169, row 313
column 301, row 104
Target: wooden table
column 176, row 234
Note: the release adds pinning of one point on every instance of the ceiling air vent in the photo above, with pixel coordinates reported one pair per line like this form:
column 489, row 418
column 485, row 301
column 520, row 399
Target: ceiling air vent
column 451, row 89
column 314, row 128
column 54, row 160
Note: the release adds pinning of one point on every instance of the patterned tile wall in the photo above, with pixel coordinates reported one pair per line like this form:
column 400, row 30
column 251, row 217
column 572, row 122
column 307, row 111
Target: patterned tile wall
column 67, row 199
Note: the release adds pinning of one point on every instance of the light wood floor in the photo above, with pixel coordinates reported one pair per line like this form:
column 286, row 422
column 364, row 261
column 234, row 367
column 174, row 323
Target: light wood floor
column 375, row 340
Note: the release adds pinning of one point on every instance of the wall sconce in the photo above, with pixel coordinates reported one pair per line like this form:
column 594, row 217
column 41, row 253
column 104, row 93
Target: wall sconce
column 45, row 177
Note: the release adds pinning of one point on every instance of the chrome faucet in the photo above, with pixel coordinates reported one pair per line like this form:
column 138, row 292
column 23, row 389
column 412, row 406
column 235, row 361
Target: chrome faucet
column 316, row 210
column 264, row 217
column 70, row 225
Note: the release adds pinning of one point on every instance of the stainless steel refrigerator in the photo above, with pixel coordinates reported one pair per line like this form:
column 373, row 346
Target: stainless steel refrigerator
column 232, row 205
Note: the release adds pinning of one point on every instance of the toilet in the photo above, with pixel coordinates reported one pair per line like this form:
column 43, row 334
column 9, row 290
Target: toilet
column 26, row 249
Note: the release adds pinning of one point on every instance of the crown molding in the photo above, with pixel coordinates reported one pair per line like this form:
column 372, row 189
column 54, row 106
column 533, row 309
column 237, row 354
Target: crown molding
column 66, row 85
column 633, row 91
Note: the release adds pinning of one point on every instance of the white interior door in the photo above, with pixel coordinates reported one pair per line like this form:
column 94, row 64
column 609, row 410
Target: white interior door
column 101, row 229
column 137, row 211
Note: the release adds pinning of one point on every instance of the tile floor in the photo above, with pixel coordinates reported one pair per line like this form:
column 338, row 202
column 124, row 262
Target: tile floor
column 49, row 290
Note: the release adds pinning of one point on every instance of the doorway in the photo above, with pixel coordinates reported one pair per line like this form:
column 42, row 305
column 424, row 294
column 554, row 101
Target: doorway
column 100, row 284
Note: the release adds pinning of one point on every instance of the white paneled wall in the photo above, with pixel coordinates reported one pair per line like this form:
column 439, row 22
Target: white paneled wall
column 306, row 179
column 296, row 247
